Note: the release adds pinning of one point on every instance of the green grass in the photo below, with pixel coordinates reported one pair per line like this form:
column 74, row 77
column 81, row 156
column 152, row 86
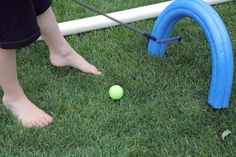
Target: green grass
column 164, row 111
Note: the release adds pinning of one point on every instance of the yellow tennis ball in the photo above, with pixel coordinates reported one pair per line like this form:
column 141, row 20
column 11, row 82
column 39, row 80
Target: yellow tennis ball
column 116, row 92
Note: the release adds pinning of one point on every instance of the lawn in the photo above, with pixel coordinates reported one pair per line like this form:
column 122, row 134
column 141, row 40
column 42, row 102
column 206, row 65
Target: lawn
column 164, row 111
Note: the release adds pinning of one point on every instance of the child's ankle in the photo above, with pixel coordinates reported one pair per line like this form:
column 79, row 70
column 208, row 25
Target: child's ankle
column 9, row 98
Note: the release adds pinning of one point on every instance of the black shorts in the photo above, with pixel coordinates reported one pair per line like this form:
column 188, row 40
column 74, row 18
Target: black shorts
column 18, row 23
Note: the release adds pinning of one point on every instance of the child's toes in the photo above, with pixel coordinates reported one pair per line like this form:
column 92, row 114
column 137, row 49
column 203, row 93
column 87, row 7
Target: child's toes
column 94, row 70
column 49, row 119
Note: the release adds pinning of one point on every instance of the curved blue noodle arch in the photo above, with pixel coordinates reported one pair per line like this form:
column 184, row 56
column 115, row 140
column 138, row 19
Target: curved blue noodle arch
column 218, row 39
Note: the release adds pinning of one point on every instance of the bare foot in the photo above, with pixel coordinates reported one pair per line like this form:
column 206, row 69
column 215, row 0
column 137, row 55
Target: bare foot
column 29, row 114
column 73, row 59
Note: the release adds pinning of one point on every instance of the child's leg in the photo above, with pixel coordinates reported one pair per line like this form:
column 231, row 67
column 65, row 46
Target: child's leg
column 61, row 53
column 14, row 97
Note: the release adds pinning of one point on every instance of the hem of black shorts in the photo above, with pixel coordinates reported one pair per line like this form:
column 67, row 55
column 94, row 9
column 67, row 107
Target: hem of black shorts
column 44, row 8
column 20, row 44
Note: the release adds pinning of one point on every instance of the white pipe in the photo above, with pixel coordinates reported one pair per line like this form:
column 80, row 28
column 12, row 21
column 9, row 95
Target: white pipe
column 213, row 2
column 126, row 16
